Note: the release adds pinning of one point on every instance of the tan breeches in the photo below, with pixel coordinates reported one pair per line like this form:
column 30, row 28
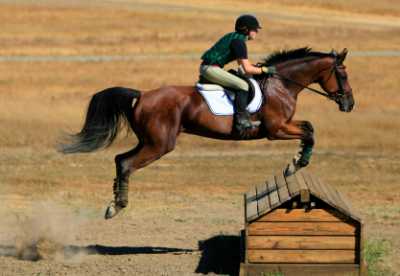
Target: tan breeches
column 218, row 75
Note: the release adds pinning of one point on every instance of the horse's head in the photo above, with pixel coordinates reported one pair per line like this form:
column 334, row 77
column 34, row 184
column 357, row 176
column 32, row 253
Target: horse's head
column 336, row 83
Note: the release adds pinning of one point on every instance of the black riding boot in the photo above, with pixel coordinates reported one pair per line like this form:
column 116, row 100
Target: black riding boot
column 242, row 117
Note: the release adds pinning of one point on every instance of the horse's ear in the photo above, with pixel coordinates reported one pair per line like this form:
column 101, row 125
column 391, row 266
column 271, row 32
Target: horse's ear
column 342, row 55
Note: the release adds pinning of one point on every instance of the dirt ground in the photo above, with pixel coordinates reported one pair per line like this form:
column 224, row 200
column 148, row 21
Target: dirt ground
column 186, row 210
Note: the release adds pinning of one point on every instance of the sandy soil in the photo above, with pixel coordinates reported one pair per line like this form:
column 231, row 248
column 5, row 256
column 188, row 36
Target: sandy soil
column 185, row 210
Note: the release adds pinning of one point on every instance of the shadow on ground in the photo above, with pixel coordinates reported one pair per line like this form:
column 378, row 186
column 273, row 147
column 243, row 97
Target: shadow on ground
column 123, row 250
column 220, row 254
column 32, row 252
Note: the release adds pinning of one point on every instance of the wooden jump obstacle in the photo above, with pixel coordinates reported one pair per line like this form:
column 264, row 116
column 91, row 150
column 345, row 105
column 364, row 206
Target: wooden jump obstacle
column 300, row 226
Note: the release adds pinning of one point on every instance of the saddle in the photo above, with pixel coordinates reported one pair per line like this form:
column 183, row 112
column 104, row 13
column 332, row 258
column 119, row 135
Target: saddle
column 220, row 100
column 210, row 86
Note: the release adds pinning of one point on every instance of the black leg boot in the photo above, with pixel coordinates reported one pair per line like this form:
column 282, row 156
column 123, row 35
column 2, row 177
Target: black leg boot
column 120, row 198
column 242, row 117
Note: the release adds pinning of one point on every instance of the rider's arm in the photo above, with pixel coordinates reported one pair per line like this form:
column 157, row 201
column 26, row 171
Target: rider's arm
column 239, row 49
column 249, row 68
column 254, row 70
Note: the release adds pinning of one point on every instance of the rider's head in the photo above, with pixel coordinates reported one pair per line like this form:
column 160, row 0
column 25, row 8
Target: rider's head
column 247, row 24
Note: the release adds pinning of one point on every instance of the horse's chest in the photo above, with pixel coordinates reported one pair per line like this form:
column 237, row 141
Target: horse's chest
column 280, row 104
column 289, row 108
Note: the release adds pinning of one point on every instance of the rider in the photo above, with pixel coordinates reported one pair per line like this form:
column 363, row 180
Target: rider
column 232, row 46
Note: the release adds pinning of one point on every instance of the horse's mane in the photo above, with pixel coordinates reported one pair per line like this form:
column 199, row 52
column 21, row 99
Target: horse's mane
column 285, row 55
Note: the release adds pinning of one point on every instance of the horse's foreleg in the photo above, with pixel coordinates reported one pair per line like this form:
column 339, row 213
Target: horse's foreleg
column 303, row 131
column 302, row 159
column 307, row 142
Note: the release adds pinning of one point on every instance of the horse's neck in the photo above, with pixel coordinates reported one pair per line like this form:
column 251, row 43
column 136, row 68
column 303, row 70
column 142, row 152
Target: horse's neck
column 302, row 71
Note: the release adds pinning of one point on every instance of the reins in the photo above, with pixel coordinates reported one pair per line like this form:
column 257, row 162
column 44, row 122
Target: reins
column 322, row 93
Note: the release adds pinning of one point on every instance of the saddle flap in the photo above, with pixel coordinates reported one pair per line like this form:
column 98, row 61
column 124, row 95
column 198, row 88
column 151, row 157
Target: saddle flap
column 220, row 100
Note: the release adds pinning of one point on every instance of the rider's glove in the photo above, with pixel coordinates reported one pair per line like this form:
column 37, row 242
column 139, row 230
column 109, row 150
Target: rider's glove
column 270, row 70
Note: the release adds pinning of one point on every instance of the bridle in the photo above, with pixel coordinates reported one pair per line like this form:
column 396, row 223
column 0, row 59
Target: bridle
column 336, row 96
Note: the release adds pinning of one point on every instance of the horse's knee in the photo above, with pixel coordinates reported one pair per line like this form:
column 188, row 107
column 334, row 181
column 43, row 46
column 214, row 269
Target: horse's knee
column 308, row 138
column 307, row 126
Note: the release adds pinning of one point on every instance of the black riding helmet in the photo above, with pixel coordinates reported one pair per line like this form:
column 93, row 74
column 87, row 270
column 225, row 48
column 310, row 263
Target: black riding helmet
column 246, row 22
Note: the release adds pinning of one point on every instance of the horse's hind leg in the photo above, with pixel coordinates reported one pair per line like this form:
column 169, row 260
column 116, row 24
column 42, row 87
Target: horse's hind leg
column 127, row 163
column 121, row 181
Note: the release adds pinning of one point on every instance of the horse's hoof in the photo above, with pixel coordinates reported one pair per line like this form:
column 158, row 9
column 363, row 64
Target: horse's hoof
column 112, row 210
column 290, row 170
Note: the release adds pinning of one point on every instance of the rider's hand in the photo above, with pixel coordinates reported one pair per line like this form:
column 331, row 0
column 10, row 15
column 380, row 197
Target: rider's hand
column 270, row 70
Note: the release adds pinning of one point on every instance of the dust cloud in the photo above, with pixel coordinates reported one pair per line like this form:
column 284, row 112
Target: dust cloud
column 43, row 231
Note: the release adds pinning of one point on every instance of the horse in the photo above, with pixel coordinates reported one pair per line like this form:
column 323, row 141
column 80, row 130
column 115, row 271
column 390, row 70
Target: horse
column 157, row 117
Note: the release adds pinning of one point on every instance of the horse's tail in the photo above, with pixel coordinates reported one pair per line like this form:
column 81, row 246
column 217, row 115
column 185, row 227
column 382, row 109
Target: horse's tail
column 109, row 110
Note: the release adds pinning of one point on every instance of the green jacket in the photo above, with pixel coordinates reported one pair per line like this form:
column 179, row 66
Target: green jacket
column 221, row 53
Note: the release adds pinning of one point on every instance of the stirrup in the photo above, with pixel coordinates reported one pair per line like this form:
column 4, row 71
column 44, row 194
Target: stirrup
column 243, row 121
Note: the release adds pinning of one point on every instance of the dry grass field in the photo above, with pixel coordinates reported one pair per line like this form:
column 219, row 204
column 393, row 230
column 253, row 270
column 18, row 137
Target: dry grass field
column 195, row 192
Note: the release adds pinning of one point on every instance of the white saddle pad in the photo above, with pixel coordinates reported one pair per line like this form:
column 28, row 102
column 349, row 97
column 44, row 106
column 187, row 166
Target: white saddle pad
column 220, row 103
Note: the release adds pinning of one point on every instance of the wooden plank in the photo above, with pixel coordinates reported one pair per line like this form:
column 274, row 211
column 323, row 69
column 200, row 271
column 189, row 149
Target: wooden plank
column 246, row 235
column 300, row 181
column 314, row 188
column 361, row 246
column 282, row 214
column 283, row 190
column 251, row 204
column 301, row 242
column 251, row 195
column 335, row 197
column 245, row 209
column 299, row 269
column 302, row 256
column 252, row 211
column 261, row 190
column 341, row 203
column 292, row 185
column 301, row 228
column 262, row 199
column 243, row 270
column 337, row 201
column 304, row 190
column 325, row 195
column 273, row 193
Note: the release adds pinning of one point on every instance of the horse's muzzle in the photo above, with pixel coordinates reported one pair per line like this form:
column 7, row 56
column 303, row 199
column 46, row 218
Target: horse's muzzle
column 346, row 102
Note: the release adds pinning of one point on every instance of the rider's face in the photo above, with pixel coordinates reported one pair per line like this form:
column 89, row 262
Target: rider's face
column 252, row 34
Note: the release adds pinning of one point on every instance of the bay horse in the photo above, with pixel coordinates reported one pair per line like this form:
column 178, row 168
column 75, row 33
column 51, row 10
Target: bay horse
column 158, row 116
